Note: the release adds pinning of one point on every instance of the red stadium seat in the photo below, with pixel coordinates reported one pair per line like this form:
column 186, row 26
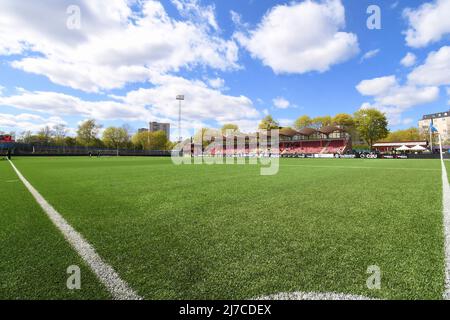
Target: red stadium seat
column 314, row 147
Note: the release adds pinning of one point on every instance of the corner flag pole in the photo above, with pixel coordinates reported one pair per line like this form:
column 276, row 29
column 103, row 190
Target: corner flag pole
column 440, row 146
column 431, row 136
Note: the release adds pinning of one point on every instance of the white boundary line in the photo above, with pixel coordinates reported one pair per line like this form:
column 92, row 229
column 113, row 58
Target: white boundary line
column 118, row 288
column 312, row 296
column 357, row 167
column 446, row 222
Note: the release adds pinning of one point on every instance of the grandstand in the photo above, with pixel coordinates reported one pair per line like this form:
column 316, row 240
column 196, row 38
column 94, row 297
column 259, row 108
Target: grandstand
column 307, row 141
column 326, row 140
column 233, row 145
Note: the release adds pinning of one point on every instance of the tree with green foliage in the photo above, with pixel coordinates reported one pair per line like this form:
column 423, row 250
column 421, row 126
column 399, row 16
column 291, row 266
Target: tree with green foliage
column 26, row 137
column 87, row 133
column 70, row 141
column 411, row 134
column 303, row 122
column 268, row 123
column 371, row 125
column 115, row 137
column 140, row 140
column 322, row 121
column 44, row 135
column 229, row 127
column 344, row 120
column 146, row 140
column 158, row 141
column 171, row 145
column 206, row 135
column 60, row 132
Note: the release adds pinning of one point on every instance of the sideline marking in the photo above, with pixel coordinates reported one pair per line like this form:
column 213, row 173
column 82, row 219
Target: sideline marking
column 446, row 222
column 118, row 288
column 313, row 296
column 357, row 167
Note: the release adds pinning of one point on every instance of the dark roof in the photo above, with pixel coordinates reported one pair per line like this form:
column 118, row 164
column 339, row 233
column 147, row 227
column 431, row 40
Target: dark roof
column 288, row 132
column 307, row 131
column 330, row 129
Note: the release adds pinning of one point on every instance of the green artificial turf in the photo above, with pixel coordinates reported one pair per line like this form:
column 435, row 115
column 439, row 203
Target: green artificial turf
column 34, row 256
column 225, row 231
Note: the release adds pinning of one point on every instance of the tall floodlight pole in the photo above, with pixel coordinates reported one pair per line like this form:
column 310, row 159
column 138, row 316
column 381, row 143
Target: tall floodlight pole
column 179, row 98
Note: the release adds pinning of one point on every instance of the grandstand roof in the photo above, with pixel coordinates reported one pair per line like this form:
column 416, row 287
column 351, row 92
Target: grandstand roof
column 288, row 132
column 307, row 131
column 330, row 129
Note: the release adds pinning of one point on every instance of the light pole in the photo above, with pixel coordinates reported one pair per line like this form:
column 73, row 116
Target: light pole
column 179, row 98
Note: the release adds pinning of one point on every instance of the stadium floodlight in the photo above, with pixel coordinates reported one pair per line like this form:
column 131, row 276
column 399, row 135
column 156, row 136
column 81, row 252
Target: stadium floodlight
column 180, row 98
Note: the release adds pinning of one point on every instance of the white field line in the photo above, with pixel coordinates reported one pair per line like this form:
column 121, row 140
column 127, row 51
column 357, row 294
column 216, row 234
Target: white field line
column 118, row 288
column 446, row 221
column 357, row 167
column 312, row 296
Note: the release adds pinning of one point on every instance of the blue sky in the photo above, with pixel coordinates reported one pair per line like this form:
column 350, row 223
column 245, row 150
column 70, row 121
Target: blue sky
column 235, row 61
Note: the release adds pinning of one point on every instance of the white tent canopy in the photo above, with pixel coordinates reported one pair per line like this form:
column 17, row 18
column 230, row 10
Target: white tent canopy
column 403, row 148
column 418, row 148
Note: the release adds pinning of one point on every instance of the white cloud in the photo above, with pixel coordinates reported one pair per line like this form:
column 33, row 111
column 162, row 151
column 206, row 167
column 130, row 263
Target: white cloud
column 409, row 60
column 422, row 85
column 405, row 97
column 370, row 54
column 435, row 71
column 27, row 122
column 302, row 37
column 201, row 104
column 193, row 10
column 281, row 103
column 216, row 83
column 245, row 125
column 376, row 86
column 286, row 122
column 394, row 5
column 394, row 99
column 237, row 20
column 115, row 44
column 59, row 104
column 427, row 24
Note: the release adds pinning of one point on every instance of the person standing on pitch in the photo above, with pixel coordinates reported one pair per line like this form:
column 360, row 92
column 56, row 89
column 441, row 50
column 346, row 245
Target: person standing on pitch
column 8, row 154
